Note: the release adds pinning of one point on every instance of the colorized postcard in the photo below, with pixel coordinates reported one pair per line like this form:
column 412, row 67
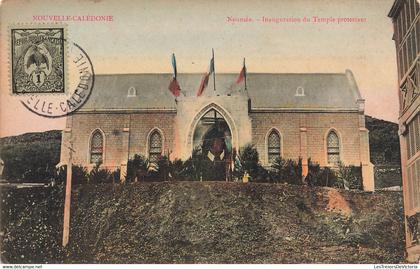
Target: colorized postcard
column 209, row 132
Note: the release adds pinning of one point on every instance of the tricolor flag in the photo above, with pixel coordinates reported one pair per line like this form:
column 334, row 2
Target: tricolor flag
column 203, row 84
column 242, row 75
column 174, row 85
column 205, row 79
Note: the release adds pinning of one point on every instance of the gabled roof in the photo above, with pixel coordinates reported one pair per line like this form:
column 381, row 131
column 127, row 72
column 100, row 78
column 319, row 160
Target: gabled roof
column 267, row 91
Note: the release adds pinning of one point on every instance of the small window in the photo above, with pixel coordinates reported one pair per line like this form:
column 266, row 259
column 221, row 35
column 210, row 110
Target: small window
column 273, row 146
column 333, row 148
column 96, row 147
column 300, row 91
column 155, row 146
column 132, row 92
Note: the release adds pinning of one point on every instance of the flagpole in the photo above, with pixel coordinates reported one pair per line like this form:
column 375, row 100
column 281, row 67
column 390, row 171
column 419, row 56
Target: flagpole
column 174, row 65
column 214, row 71
column 245, row 72
column 175, row 71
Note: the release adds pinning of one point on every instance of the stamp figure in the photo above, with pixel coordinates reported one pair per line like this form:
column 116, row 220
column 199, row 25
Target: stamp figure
column 38, row 60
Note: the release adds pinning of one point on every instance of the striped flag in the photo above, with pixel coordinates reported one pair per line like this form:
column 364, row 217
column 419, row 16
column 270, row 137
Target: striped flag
column 242, row 74
column 203, row 84
column 174, row 85
column 205, row 79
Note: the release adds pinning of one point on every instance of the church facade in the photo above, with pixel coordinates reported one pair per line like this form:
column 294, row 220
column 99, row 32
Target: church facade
column 316, row 116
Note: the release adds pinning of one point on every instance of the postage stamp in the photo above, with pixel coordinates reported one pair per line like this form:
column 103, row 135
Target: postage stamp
column 38, row 60
column 50, row 75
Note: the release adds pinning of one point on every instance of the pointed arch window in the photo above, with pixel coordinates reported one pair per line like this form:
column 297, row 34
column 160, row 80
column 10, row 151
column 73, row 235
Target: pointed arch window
column 333, row 148
column 96, row 147
column 155, row 146
column 273, row 146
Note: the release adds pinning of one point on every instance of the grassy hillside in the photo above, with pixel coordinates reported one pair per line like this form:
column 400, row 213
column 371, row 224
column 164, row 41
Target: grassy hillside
column 384, row 141
column 31, row 156
column 203, row 222
column 384, row 152
column 29, row 138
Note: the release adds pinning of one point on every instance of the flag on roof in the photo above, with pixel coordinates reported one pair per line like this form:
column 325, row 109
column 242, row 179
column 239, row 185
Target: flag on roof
column 242, row 74
column 174, row 65
column 203, row 84
column 174, row 85
column 205, row 79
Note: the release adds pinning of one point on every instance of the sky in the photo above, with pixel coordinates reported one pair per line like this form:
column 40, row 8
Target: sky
column 143, row 34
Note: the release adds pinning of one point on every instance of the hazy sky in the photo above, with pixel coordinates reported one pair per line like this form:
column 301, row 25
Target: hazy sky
column 143, row 34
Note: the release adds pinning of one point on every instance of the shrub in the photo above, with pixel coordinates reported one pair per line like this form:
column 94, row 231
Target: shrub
column 349, row 177
column 250, row 163
column 136, row 166
column 192, row 166
column 177, row 169
column 116, row 175
column 288, row 171
column 100, row 175
column 79, row 175
column 249, row 159
column 344, row 177
column 186, row 171
column 262, row 175
column 61, row 174
column 164, row 166
column 140, row 169
column 320, row 176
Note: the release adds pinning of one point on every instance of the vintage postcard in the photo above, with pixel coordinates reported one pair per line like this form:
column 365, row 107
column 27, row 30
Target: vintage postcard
column 209, row 132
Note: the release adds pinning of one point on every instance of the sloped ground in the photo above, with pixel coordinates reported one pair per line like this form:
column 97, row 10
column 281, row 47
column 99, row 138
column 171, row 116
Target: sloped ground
column 204, row 222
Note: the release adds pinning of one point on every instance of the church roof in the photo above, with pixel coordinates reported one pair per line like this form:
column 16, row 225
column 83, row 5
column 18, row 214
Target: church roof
column 329, row 91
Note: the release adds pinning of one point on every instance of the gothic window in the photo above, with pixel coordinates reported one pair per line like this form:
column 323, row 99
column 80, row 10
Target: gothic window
column 96, row 147
column 155, row 146
column 333, row 148
column 273, row 146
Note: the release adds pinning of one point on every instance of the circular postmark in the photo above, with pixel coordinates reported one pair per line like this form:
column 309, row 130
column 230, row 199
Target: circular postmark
column 80, row 81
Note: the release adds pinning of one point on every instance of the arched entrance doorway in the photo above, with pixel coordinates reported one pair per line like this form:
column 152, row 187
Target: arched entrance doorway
column 213, row 137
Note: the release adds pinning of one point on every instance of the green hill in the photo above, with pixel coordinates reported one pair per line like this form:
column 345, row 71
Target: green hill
column 29, row 138
column 30, row 157
column 384, row 141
